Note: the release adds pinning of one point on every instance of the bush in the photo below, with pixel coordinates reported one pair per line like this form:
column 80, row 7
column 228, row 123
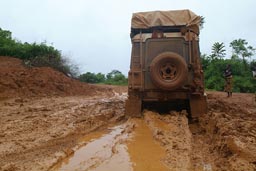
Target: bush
column 36, row 54
column 115, row 77
column 92, row 78
column 242, row 76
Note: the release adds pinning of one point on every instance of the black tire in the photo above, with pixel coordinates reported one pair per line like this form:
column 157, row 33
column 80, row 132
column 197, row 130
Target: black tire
column 168, row 71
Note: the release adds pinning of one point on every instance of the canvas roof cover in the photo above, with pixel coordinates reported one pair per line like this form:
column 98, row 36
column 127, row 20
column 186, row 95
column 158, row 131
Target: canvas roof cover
column 145, row 20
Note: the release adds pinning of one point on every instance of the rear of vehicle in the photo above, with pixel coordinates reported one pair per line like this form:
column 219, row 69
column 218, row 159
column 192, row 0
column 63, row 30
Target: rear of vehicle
column 165, row 70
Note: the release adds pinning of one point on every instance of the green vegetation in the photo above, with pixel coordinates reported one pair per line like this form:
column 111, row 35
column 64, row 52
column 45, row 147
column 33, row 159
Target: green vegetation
column 41, row 54
column 214, row 65
column 115, row 77
column 35, row 54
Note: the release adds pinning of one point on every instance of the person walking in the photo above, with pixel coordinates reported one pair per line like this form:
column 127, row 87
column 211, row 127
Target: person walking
column 254, row 72
column 228, row 80
column 254, row 76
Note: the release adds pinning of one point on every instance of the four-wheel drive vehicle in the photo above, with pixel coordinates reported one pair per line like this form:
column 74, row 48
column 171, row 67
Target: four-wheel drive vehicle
column 165, row 69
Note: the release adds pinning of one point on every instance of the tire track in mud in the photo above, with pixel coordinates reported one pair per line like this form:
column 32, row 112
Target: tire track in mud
column 125, row 147
column 145, row 152
column 37, row 134
column 172, row 131
column 185, row 146
column 166, row 142
column 155, row 142
column 218, row 141
column 43, row 131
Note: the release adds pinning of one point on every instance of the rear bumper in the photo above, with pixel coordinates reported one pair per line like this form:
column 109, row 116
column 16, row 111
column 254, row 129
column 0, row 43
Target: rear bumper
column 164, row 95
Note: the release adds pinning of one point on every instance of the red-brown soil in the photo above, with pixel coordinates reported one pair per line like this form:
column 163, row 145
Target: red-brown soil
column 18, row 80
column 45, row 127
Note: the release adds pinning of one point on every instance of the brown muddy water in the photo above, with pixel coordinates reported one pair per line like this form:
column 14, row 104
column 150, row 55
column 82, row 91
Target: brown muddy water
column 125, row 147
column 146, row 154
column 102, row 152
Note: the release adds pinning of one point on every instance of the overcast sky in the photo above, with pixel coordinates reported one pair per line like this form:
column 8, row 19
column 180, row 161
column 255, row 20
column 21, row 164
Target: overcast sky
column 95, row 33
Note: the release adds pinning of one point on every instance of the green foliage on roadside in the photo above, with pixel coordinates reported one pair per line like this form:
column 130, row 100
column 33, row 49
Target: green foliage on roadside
column 35, row 54
column 214, row 65
column 25, row 51
column 90, row 77
column 241, row 48
column 41, row 54
column 115, row 77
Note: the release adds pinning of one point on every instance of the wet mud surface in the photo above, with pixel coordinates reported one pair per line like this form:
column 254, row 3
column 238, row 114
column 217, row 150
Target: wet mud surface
column 37, row 133
column 103, row 153
column 91, row 133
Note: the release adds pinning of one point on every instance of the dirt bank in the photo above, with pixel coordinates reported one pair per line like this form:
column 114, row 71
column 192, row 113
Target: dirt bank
column 18, row 80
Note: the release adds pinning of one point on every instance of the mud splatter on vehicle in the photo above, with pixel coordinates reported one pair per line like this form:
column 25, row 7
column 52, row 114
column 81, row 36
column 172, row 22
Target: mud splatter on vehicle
column 165, row 69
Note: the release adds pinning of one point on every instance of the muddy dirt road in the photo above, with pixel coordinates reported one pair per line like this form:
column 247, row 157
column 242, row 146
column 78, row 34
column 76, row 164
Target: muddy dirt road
column 91, row 133
column 36, row 133
column 50, row 122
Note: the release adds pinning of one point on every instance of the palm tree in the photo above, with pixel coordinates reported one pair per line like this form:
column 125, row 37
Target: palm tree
column 218, row 50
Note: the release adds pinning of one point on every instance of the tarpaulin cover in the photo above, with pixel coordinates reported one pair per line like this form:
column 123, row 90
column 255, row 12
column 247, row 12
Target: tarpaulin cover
column 145, row 20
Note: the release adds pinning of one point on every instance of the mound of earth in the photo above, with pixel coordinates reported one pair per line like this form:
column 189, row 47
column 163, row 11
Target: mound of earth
column 17, row 80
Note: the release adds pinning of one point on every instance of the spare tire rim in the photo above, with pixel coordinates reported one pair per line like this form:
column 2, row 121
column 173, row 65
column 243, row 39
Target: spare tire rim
column 168, row 72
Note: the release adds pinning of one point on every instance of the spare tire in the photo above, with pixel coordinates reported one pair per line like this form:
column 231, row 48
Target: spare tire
column 168, row 71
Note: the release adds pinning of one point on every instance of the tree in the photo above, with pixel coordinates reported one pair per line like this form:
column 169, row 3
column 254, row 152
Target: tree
column 242, row 79
column 202, row 22
column 100, row 78
column 218, row 50
column 112, row 74
column 241, row 48
column 116, row 77
column 88, row 77
column 213, row 67
column 213, row 75
column 205, row 60
column 5, row 34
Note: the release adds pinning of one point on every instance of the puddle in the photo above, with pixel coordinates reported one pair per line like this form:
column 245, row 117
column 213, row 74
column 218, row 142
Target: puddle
column 145, row 152
column 105, row 153
column 112, row 151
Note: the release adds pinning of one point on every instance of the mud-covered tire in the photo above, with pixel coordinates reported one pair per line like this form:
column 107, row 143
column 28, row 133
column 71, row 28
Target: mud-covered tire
column 168, row 71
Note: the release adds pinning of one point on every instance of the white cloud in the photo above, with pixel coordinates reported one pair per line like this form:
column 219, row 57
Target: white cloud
column 96, row 33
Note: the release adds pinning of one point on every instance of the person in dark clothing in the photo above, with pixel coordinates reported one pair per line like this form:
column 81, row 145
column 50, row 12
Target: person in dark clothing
column 254, row 76
column 254, row 72
column 228, row 80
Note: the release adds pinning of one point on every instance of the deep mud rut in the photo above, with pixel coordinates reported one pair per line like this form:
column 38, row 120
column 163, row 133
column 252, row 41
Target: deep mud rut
column 77, row 133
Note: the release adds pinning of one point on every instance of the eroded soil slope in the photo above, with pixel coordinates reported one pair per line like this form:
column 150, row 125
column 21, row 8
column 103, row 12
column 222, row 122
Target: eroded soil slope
column 18, row 80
